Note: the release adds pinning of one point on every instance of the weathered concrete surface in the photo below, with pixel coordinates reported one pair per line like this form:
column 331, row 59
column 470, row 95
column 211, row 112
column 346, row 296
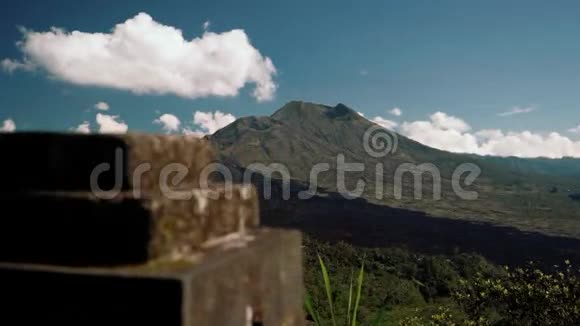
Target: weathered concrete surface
column 162, row 248
column 167, row 154
column 265, row 279
column 64, row 162
column 79, row 229
column 180, row 227
column 233, row 284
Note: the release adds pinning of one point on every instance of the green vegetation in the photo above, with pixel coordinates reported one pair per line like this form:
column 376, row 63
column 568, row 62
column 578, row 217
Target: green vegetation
column 405, row 288
column 397, row 282
column 524, row 296
column 352, row 310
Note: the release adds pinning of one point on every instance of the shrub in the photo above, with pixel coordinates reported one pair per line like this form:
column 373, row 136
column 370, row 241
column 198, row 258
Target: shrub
column 524, row 296
column 400, row 292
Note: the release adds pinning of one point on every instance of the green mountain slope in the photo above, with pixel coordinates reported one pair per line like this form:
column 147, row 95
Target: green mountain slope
column 512, row 191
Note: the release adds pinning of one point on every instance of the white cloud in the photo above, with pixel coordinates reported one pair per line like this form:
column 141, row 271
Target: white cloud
column 444, row 121
column 8, row 126
column 11, row 65
column 111, row 124
column 103, row 106
column 517, row 110
column 195, row 133
column 529, row 144
column 396, row 112
column 489, row 134
column 189, row 132
column 443, row 132
column 209, row 122
column 453, row 134
column 146, row 57
column 575, row 130
column 168, row 122
column 206, row 25
column 385, row 123
column 83, row 128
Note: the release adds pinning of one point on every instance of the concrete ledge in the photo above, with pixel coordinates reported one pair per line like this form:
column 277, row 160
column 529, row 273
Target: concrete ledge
column 181, row 227
column 232, row 284
column 79, row 229
column 64, row 162
column 46, row 297
column 73, row 230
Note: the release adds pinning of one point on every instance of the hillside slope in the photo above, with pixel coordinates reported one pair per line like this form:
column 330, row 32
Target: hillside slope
column 512, row 191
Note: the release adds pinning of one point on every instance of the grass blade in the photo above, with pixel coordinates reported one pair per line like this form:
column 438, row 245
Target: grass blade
column 358, row 293
column 350, row 289
column 328, row 288
column 310, row 309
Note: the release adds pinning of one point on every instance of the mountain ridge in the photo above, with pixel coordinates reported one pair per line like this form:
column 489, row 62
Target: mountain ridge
column 303, row 134
column 287, row 113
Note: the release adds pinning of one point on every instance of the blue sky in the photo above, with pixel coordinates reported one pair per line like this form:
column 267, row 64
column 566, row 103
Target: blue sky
column 469, row 59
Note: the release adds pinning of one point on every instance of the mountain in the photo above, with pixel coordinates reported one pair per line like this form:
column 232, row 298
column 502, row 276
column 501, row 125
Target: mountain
column 511, row 191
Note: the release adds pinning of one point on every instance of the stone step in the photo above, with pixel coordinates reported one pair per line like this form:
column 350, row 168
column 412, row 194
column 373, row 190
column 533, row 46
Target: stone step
column 65, row 162
column 81, row 229
column 258, row 279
